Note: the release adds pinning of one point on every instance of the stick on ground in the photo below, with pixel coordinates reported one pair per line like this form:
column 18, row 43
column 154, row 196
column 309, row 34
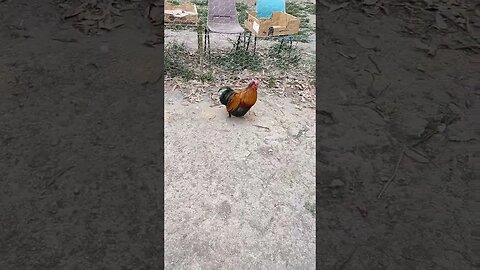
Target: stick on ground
column 393, row 175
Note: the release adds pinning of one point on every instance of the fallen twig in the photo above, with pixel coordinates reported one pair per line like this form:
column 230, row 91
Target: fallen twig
column 57, row 175
column 151, row 43
column 375, row 64
column 332, row 7
column 154, row 82
column 344, row 55
column 301, row 132
column 345, row 262
column 379, row 94
column 424, row 139
column 376, row 110
column 66, row 40
column 384, row 189
column 267, row 128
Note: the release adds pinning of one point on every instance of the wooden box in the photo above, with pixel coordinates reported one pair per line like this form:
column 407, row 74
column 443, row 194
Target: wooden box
column 280, row 24
column 181, row 14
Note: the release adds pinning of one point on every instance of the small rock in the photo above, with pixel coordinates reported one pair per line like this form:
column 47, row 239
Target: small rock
column 76, row 191
column 104, row 48
column 468, row 103
column 421, row 46
column 363, row 81
column 292, row 131
column 337, row 183
column 414, row 126
column 441, row 128
column 420, row 68
column 224, row 209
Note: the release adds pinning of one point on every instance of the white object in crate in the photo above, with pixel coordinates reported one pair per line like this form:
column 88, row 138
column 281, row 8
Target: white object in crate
column 256, row 27
column 179, row 12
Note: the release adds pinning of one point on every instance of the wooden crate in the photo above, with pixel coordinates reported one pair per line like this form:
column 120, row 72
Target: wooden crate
column 281, row 24
column 181, row 14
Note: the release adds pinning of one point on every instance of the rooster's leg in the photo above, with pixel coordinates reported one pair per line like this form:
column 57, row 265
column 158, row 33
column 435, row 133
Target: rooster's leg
column 229, row 115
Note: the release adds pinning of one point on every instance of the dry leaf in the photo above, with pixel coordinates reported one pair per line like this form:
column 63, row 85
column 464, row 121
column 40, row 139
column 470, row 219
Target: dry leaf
column 363, row 212
column 371, row 10
column 422, row 46
column 105, row 26
column 108, row 20
column 73, row 12
column 369, row 2
column 337, row 7
column 365, row 43
column 118, row 24
column 146, row 13
column 93, row 17
column 64, row 6
column 332, row 8
column 415, row 155
column 115, row 11
column 462, row 134
column 467, row 23
column 86, row 23
column 385, row 9
column 433, row 50
column 441, row 24
column 155, row 14
column 477, row 10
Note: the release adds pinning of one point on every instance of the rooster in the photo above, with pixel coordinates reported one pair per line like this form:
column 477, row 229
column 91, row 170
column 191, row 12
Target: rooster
column 239, row 102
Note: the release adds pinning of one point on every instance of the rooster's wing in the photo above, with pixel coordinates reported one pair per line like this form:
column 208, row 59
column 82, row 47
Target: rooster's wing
column 233, row 103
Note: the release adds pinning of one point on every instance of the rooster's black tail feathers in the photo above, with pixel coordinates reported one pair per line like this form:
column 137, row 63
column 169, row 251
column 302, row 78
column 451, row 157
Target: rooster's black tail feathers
column 226, row 94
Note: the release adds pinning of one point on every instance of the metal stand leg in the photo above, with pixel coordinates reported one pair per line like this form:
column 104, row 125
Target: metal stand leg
column 208, row 38
column 254, row 45
column 205, row 41
column 248, row 42
column 281, row 45
column 238, row 42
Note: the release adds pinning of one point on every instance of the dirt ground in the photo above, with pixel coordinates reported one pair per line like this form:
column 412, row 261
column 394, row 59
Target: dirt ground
column 80, row 150
column 426, row 218
column 80, row 140
column 236, row 189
